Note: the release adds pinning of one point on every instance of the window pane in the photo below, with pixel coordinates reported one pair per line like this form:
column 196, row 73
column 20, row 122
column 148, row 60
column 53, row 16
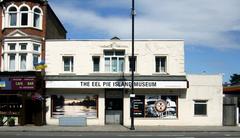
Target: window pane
column 121, row 64
column 68, row 63
column 23, row 46
column 107, row 64
column 96, row 61
column 11, row 62
column 13, row 19
column 12, row 46
column 36, row 21
column 120, row 53
column 163, row 64
column 36, row 47
column 23, row 59
column 114, row 64
column 157, row 64
column 160, row 64
column 200, row 108
column 35, row 60
column 108, row 52
column 24, row 20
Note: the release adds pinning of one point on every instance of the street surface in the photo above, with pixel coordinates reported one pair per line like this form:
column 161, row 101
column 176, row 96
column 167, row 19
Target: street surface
column 119, row 134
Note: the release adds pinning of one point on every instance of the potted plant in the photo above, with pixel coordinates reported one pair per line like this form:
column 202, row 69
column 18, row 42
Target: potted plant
column 1, row 120
column 11, row 121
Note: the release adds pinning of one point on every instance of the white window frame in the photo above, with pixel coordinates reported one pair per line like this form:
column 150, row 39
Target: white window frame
column 114, row 56
column 166, row 64
column 9, row 59
column 200, row 102
column 23, row 12
column 20, row 62
column 40, row 17
column 71, row 65
column 8, row 16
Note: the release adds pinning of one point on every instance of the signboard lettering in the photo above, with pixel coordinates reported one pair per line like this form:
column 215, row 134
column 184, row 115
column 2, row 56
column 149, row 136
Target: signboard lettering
column 23, row 83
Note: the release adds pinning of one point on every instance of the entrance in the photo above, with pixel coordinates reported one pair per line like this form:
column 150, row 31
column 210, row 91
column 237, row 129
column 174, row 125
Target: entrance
column 114, row 106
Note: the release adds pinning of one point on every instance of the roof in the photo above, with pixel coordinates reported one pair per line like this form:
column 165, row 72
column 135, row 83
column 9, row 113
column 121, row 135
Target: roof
column 232, row 89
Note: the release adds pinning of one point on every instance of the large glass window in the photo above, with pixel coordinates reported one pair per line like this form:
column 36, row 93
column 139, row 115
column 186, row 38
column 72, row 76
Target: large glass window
column 114, row 60
column 200, row 107
column 12, row 16
column 37, row 18
column 35, row 60
column 23, row 61
column 24, row 16
column 161, row 64
column 84, row 105
column 157, row 106
column 68, row 63
column 96, row 64
column 12, row 62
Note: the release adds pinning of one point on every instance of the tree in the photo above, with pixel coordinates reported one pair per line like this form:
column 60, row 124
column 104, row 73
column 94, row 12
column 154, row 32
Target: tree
column 235, row 79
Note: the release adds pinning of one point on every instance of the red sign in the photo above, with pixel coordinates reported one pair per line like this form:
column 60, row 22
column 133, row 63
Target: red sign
column 23, row 83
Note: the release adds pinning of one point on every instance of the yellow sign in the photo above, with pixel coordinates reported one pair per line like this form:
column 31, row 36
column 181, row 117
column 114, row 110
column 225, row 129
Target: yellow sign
column 40, row 67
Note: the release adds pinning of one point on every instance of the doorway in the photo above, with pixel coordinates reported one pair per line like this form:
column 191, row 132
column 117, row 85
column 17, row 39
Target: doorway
column 114, row 106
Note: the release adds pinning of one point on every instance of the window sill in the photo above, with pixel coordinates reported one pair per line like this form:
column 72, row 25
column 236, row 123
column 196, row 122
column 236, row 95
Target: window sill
column 67, row 73
column 22, row 27
column 156, row 73
column 200, row 116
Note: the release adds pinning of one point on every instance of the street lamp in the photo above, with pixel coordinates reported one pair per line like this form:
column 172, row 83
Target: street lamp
column 133, row 12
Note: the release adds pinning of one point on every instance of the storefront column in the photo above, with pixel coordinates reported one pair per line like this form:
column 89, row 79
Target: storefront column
column 126, row 109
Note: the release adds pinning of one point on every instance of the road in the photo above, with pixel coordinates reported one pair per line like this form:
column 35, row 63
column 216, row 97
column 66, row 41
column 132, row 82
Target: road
column 119, row 134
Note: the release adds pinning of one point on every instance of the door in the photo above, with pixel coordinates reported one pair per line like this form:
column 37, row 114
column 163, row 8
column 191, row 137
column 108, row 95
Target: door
column 229, row 115
column 114, row 107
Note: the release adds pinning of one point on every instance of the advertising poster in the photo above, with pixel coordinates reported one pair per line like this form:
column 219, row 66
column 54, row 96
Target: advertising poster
column 84, row 105
column 139, row 106
column 161, row 106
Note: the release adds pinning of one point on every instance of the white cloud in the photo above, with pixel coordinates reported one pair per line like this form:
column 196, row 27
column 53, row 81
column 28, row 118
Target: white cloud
column 199, row 22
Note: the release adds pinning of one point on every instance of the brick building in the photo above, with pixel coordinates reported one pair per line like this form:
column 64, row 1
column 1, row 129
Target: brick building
column 25, row 26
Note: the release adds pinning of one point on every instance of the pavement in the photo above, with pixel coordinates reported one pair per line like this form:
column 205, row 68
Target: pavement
column 119, row 128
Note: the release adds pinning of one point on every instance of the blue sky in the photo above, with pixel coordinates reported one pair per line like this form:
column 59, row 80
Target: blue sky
column 210, row 28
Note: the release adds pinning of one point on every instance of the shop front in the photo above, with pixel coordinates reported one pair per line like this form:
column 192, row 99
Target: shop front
column 106, row 100
column 22, row 97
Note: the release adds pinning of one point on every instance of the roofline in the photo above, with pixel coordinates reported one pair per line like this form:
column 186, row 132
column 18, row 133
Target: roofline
column 58, row 20
column 50, row 40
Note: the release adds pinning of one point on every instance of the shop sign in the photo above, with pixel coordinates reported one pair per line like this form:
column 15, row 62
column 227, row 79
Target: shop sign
column 2, row 84
column 139, row 102
column 23, row 83
column 117, row 84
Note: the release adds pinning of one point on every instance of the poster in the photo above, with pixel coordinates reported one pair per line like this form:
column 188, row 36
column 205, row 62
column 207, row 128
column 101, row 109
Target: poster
column 161, row 106
column 139, row 106
column 84, row 105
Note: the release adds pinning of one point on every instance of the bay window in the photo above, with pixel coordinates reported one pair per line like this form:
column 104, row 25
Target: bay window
column 12, row 58
column 23, row 61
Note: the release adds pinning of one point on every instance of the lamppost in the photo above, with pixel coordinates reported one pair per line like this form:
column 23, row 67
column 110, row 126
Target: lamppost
column 133, row 12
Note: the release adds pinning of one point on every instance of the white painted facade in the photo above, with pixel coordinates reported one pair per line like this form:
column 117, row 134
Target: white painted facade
column 200, row 89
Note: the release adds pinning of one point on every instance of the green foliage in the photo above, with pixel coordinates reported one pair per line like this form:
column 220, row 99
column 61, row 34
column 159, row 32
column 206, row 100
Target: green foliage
column 235, row 79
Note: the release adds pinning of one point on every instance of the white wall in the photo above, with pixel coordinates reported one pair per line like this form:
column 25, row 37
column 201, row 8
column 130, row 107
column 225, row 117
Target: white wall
column 201, row 87
column 145, row 50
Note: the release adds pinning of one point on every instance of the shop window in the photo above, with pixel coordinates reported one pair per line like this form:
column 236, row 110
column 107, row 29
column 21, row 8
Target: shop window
column 68, row 63
column 96, row 64
column 24, row 16
column 37, row 18
column 134, row 63
column 156, row 106
column 161, row 64
column 114, row 60
column 200, row 107
column 23, row 61
column 12, row 62
column 84, row 105
column 12, row 16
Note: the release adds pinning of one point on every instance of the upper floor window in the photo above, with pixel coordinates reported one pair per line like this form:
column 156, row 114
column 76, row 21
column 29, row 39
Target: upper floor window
column 161, row 64
column 68, row 63
column 12, row 46
column 134, row 63
column 11, row 62
column 114, row 60
column 96, row 64
column 24, row 16
column 36, row 18
column 36, row 47
column 23, row 46
column 12, row 16
column 23, row 61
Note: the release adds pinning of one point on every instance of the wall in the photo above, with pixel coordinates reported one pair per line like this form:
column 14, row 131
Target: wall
column 145, row 50
column 201, row 87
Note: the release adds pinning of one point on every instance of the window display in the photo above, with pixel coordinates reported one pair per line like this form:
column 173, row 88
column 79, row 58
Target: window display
column 84, row 105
